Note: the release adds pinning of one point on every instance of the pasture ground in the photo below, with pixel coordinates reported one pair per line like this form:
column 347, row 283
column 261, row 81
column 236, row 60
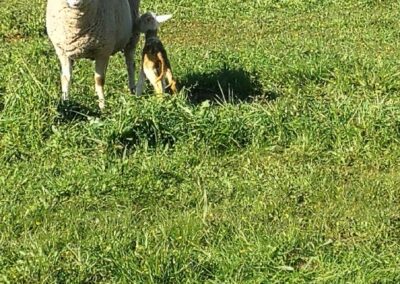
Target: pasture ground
column 279, row 162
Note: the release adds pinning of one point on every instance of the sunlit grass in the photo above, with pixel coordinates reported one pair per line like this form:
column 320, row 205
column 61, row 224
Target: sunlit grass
column 277, row 163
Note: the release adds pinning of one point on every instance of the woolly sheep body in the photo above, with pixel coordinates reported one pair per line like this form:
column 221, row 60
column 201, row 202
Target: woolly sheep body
column 94, row 30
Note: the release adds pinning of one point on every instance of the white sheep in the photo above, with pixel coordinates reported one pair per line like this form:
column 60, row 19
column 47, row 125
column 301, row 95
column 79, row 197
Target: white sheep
column 93, row 29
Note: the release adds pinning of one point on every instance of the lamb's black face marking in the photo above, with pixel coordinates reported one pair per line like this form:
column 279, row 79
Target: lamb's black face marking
column 148, row 22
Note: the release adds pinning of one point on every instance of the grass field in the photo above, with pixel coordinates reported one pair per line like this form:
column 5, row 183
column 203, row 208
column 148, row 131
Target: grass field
column 279, row 162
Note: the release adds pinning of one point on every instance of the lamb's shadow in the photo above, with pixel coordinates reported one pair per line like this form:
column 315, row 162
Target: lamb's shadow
column 225, row 86
column 73, row 111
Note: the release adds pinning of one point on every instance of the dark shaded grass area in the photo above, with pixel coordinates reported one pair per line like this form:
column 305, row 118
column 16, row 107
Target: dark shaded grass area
column 225, row 86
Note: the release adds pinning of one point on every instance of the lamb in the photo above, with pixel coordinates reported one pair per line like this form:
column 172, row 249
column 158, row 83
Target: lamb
column 155, row 64
column 93, row 29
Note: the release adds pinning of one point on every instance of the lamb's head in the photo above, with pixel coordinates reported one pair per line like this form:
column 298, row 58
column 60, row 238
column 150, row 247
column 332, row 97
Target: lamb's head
column 76, row 4
column 150, row 21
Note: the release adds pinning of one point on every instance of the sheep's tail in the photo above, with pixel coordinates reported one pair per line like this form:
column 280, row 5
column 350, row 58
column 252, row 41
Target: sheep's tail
column 162, row 69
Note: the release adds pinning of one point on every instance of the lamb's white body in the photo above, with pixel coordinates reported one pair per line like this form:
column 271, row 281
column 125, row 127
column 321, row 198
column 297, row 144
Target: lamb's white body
column 93, row 29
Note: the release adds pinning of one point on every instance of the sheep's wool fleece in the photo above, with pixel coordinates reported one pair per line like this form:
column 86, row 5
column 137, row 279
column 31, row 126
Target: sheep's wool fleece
column 99, row 28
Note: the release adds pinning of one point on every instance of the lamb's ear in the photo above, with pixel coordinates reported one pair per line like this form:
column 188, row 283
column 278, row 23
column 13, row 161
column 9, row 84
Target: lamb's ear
column 163, row 18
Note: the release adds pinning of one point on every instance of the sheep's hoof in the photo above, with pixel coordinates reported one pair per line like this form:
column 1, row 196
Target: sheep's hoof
column 64, row 102
column 63, row 107
column 133, row 90
column 102, row 106
column 64, row 97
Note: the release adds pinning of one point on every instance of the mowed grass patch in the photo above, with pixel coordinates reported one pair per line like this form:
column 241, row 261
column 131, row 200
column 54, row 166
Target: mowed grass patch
column 278, row 161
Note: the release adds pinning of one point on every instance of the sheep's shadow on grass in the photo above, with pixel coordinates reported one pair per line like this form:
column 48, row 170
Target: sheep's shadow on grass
column 72, row 111
column 225, row 86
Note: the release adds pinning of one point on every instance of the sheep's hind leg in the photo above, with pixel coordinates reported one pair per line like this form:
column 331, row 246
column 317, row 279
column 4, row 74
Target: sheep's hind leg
column 99, row 77
column 66, row 74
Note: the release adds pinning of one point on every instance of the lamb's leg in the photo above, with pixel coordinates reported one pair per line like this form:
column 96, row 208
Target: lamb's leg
column 140, row 84
column 129, row 53
column 99, row 78
column 163, row 84
column 171, row 80
column 152, row 76
column 66, row 72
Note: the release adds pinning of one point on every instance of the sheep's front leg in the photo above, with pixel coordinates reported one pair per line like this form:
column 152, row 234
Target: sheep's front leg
column 130, row 65
column 99, row 78
column 129, row 53
column 140, row 84
column 66, row 74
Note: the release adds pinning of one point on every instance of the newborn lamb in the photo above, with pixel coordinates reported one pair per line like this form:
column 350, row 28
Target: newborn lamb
column 155, row 65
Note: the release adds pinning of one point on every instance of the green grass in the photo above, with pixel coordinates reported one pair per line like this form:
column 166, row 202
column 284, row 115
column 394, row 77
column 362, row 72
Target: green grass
column 279, row 162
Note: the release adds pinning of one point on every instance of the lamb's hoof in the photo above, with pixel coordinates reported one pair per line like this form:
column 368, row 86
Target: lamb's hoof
column 160, row 97
column 133, row 91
